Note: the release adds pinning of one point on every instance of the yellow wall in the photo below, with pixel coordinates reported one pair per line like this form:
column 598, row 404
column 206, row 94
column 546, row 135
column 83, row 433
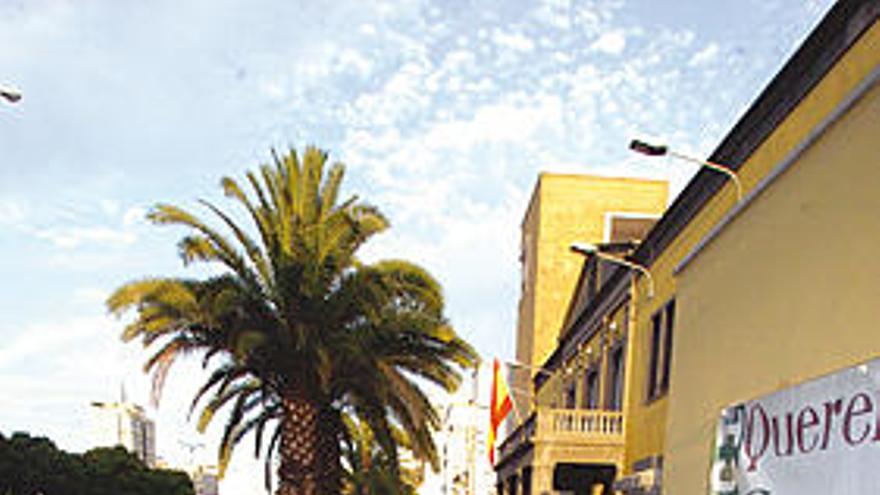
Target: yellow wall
column 564, row 209
column 646, row 422
column 788, row 290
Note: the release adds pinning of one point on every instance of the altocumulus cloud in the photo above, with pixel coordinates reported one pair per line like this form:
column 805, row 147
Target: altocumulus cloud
column 444, row 114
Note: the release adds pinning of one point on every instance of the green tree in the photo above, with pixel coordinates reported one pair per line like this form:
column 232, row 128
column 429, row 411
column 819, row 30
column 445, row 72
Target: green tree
column 297, row 331
column 30, row 465
column 368, row 467
column 113, row 471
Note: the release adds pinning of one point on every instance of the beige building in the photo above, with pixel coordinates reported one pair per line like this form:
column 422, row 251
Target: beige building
column 127, row 425
column 205, row 480
column 566, row 208
column 462, row 440
column 570, row 432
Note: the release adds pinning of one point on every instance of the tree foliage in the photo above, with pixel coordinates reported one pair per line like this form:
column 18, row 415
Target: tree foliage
column 297, row 332
column 31, row 465
column 370, row 470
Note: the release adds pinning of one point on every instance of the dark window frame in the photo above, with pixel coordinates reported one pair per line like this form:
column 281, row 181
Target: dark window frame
column 615, row 376
column 592, row 399
column 654, row 353
column 660, row 360
column 569, row 394
column 668, row 342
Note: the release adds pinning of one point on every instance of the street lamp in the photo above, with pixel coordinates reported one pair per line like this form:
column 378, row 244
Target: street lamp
column 538, row 370
column 661, row 150
column 593, row 250
column 9, row 93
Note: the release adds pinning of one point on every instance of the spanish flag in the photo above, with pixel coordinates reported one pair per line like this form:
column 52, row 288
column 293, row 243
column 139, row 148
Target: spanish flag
column 499, row 406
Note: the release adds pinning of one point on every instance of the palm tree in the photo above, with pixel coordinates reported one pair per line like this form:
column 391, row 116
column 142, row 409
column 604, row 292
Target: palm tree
column 297, row 332
column 369, row 469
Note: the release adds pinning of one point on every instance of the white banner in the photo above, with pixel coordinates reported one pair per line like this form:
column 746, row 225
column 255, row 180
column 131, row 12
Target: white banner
column 820, row 437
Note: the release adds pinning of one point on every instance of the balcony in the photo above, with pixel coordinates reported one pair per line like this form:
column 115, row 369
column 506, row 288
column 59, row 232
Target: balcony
column 587, row 434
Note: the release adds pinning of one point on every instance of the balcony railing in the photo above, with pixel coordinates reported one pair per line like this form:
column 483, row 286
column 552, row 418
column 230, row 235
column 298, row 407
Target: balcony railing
column 584, row 426
column 579, row 422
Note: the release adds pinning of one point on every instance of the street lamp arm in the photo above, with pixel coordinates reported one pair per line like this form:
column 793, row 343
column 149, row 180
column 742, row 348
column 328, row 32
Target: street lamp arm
column 714, row 166
column 634, row 266
column 593, row 250
column 536, row 369
column 648, row 149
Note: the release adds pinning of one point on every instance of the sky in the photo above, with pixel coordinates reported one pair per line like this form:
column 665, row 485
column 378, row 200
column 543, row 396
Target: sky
column 443, row 111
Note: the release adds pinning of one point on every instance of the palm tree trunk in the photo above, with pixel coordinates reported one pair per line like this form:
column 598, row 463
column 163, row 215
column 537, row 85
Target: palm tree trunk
column 331, row 454
column 310, row 455
column 300, row 437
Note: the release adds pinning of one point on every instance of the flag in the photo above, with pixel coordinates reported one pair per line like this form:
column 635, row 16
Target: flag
column 499, row 406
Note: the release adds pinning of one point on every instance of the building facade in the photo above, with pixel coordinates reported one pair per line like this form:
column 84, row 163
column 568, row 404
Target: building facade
column 793, row 280
column 205, row 480
column 565, row 208
column 734, row 299
column 572, row 427
column 462, row 440
column 127, row 425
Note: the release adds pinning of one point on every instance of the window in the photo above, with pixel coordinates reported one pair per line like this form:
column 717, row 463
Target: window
column 654, row 363
column 591, row 389
column 512, row 484
column 526, row 481
column 570, row 394
column 614, row 390
column 660, row 361
column 669, row 314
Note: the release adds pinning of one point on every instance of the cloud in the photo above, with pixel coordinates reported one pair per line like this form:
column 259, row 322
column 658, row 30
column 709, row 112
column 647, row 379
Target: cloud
column 101, row 223
column 73, row 237
column 12, row 212
column 611, row 43
column 92, row 296
column 274, row 88
column 707, row 54
column 351, row 59
column 402, row 95
column 134, row 216
column 45, row 339
column 554, row 13
column 497, row 123
column 513, row 40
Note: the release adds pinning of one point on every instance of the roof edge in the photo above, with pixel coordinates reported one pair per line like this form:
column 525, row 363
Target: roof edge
column 827, row 43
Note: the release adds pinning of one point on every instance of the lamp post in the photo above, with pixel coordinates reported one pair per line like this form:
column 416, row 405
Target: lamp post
column 536, row 369
column 661, row 150
column 593, row 250
column 9, row 93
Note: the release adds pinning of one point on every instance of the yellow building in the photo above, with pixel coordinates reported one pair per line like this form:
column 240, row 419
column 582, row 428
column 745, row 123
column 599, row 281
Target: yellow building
column 757, row 294
column 783, row 289
column 564, row 209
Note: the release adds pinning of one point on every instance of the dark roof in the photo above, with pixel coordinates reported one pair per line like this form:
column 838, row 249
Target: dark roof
column 834, row 35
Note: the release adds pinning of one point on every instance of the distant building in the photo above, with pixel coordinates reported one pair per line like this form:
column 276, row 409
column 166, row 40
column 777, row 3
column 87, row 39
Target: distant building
column 462, row 442
column 205, row 480
column 126, row 424
column 567, row 429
